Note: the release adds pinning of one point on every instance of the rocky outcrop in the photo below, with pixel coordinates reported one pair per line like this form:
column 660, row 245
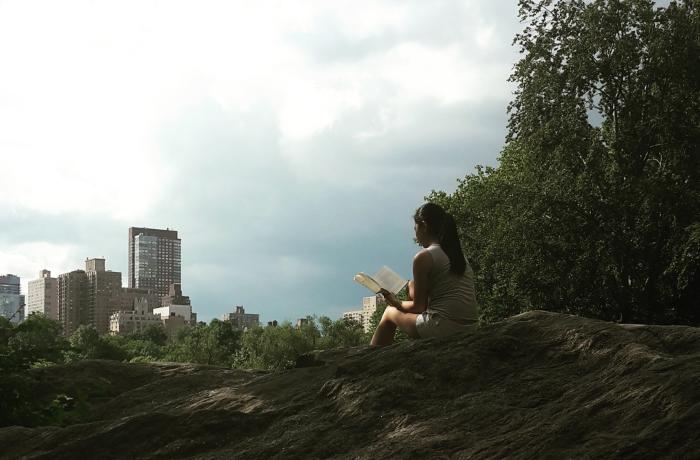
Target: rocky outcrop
column 538, row 385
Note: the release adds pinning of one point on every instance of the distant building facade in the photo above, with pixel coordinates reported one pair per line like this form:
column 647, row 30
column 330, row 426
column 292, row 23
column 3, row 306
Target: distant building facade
column 183, row 311
column 89, row 297
column 127, row 322
column 174, row 296
column 11, row 301
column 9, row 284
column 42, row 296
column 154, row 259
column 176, row 317
column 176, row 304
column 104, row 293
column 364, row 316
column 173, row 324
column 130, row 296
column 242, row 320
column 354, row 315
column 72, row 300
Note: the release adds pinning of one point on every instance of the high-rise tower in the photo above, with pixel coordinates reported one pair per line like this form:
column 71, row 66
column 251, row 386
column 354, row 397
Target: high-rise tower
column 154, row 259
column 10, row 298
column 43, row 295
column 89, row 297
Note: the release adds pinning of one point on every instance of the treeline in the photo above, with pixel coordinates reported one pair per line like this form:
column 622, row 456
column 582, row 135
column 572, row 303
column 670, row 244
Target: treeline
column 37, row 342
column 595, row 206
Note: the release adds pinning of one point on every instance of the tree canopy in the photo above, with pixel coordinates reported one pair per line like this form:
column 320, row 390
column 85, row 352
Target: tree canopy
column 595, row 206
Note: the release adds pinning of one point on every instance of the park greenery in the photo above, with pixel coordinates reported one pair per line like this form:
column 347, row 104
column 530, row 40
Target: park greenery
column 594, row 208
column 37, row 342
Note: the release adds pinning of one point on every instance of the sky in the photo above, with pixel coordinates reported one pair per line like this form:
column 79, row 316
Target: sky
column 288, row 143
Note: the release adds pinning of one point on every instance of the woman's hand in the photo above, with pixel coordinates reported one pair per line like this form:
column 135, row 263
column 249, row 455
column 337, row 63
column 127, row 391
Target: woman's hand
column 391, row 299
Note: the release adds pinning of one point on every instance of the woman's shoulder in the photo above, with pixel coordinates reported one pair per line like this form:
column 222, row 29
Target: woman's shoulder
column 422, row 254
column 423, row 258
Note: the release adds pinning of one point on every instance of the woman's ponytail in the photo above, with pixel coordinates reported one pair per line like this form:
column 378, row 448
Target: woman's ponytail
column 449, row 241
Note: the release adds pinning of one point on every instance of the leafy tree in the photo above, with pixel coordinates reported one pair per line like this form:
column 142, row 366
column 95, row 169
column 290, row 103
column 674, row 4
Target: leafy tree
column 275, row 347
column 227, row 340
column 36, row 339
column 86, row 343
column 591, row 218
column 155, row 333
column 340, row 333
column 214, row 344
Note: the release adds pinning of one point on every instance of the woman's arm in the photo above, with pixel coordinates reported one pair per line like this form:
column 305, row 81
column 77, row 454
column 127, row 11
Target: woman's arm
column 422, row 263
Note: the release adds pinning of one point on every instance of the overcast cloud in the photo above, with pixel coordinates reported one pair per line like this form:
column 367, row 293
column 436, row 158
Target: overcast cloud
column 287, row 142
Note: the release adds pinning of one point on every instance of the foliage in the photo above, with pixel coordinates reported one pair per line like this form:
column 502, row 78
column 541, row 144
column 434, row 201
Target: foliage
column 213, row 344
column 279, row 347
column 586, row 217
column 276, row 347
column 86, row 343
column 36, row 340
column 340, row 333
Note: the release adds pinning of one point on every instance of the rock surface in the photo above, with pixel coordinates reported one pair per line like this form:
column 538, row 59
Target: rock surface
column 538, row 385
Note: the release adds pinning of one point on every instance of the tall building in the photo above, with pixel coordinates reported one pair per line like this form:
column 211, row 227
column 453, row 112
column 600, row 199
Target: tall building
column 104, row 293
column 11, row 302
column 89, row 297
column 9, row 284
column 42, row 295
column 72, row 300
column 154, row 259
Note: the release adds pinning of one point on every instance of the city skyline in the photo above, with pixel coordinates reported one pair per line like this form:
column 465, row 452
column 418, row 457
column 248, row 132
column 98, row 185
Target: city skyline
column 288, row 143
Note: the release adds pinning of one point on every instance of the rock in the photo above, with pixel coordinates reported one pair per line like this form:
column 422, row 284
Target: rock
column 538, row 385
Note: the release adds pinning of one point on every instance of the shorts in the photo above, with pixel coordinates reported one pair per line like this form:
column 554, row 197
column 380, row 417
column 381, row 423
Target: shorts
column 430, row 325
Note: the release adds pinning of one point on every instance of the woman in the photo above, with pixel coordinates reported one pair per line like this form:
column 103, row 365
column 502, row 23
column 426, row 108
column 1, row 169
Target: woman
column 442, row 299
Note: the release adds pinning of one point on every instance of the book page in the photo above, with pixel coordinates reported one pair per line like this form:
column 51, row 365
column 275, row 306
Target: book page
column 367, row 282
column 389, row 280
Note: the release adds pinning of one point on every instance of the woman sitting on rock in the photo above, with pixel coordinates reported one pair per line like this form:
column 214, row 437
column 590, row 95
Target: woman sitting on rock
column 442, row 300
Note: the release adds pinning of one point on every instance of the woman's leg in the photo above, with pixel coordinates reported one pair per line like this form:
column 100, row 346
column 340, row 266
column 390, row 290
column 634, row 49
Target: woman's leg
column 391, row 319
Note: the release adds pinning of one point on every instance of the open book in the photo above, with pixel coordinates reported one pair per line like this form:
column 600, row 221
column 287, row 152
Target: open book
column 385, row 278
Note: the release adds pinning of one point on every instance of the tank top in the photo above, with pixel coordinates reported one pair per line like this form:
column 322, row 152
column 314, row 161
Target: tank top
column 451, row 296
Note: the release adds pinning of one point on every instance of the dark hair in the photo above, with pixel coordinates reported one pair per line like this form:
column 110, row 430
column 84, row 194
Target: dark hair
column 441, row 225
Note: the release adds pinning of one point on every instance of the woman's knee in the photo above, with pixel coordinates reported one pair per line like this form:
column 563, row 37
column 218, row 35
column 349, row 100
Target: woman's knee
column 390, row 314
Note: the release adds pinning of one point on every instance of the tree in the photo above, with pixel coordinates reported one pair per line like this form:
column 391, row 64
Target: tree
column 86, row 343
column 38, row 338
column 154, row 333
column 276, row 347
column 340, row 333
column 213, row 344
column 587, row 218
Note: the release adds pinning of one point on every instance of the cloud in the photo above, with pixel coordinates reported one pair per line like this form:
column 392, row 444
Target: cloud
column 287, row 142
